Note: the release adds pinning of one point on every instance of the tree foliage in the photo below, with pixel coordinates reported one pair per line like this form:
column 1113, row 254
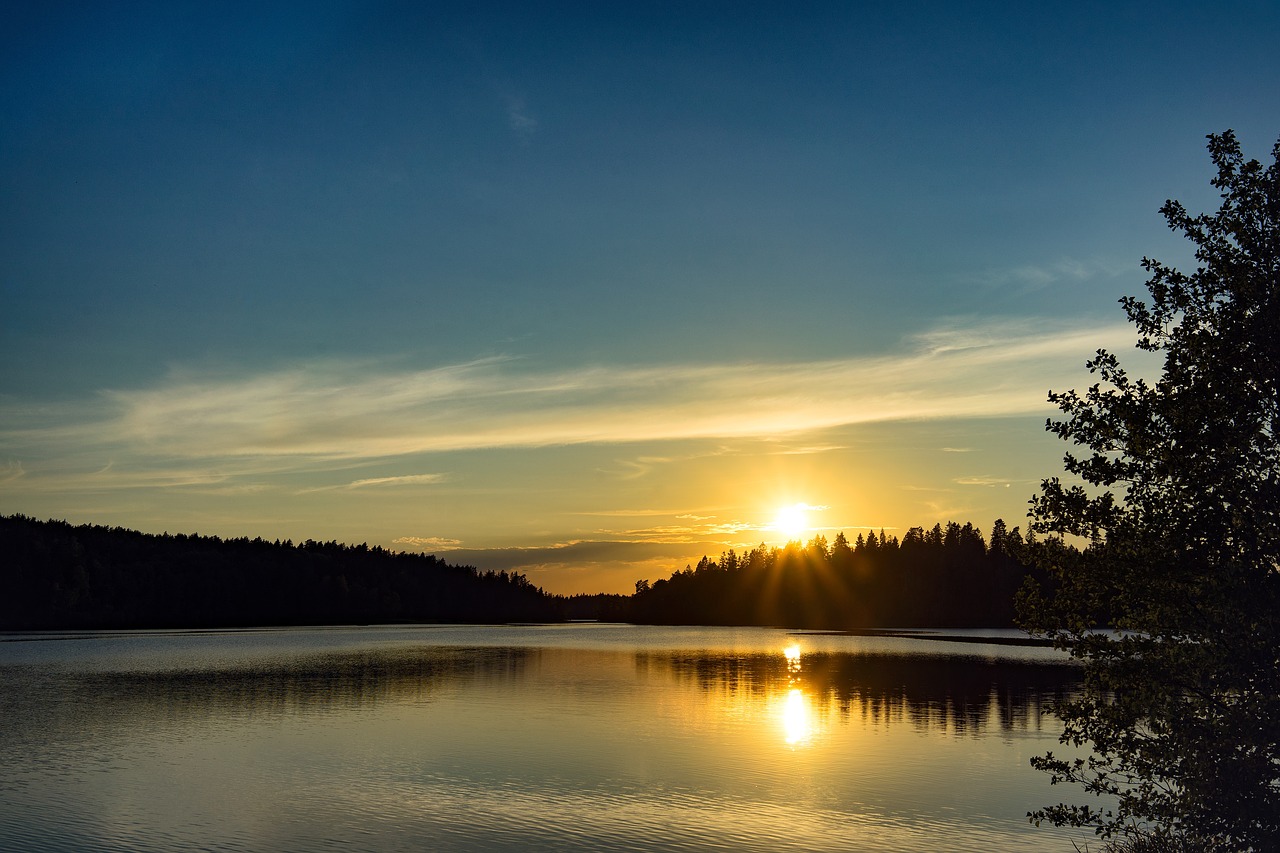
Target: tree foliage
column 1177, row 491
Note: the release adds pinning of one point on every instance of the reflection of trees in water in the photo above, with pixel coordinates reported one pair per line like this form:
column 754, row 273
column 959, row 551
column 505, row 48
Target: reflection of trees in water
column 313, row 684
column 932, row 693
column 938, row 693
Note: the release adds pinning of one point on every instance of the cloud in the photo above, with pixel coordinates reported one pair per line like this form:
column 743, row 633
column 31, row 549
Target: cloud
column 936, row 509
column 641, row 513
column 427, row 541
column 587, row 565
column 111, row 478
column 202, row 429
column 406, row 480
column 982, row 481
column 634, row 469
column 688, row 533
column 811, row 449
column 1029, row 278
column 240, row 490
column 519, row 119
column 581, row 552
column 411, row 479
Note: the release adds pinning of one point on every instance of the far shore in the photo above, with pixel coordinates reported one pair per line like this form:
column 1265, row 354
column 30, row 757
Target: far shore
column 928, row 634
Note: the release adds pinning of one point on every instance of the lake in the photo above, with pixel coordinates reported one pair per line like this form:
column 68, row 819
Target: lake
column 578, row 737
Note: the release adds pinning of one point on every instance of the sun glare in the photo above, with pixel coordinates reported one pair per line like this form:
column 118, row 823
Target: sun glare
column 797, row 718
column 791, row 521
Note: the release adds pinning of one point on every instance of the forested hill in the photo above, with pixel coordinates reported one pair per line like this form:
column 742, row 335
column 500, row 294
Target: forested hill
column 57, row 576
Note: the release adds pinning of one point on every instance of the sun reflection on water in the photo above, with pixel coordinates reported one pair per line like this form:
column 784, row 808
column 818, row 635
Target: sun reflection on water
column 798, row 715
column 797, row 718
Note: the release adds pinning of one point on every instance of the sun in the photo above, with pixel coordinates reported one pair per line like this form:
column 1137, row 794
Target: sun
column 792, row 521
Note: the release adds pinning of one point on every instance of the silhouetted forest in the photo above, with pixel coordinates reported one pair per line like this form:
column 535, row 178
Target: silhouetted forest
column 944, row 577
column 57, row 576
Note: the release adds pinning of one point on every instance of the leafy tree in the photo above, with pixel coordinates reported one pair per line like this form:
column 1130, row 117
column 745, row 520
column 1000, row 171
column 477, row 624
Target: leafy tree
column 1178, row 494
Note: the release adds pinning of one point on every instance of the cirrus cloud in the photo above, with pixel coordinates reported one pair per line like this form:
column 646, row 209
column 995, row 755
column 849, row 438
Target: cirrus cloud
column 426, row 541
column 343, row 413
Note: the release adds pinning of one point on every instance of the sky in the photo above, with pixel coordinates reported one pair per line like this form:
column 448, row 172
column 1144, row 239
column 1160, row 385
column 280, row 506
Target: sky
column 584, row 291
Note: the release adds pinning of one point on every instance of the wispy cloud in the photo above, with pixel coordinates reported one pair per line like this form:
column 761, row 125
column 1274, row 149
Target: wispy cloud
column 1029, row 278
column 427, row 542
column 114, row 478
column 634, row 469
column 201, row 429
column 982, row 481
column 521, row 121
column 370, row 482
column 597, row 559
column 643, row 513
column 697, row 532
column 811, row 449
column 408, row 480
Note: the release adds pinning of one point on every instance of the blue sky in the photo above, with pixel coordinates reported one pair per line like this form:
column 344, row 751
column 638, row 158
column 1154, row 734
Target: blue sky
column 586, row 290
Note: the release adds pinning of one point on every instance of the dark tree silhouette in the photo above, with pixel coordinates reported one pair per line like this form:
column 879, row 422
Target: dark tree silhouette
column 1182, row 712
column 926, row 580
column 54, row 575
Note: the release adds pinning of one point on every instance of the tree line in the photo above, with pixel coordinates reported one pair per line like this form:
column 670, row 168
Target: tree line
column 947, row 576
column 58, row 576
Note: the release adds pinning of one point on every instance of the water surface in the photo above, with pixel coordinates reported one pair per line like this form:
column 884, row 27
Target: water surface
column 532, row 738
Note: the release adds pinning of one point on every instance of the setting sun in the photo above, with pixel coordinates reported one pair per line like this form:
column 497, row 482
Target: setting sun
column 792, row 521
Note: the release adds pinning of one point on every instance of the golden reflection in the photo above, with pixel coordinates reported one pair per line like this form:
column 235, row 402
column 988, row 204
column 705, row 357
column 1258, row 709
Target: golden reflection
column 797, row 718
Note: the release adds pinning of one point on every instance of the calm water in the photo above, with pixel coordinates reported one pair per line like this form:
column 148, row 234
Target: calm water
column 540, row 738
